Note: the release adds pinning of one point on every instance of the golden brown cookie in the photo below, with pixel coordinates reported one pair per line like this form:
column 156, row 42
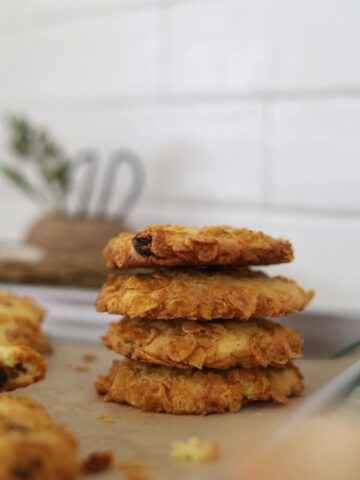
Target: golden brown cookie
column 13, row 306
column 20, row 366
column 20, row 322
column 170, row 245
column 171, row 390
column 196, row 294
column 185, row 344
column 32, row 446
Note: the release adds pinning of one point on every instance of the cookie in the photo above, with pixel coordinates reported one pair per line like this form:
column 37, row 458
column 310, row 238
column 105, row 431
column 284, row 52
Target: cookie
column 220, row 345
column 32, row 446
column 171, row 245
column 20, row 366
column 20, row 322
column 196, row 294
column 15, row 307
column 163, row 389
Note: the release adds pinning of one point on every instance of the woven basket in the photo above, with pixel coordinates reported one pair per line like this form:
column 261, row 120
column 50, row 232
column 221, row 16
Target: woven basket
column 73, row 250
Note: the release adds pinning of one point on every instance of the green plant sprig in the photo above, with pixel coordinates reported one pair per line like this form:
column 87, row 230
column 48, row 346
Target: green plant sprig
column 348, row 350
column 36, row 147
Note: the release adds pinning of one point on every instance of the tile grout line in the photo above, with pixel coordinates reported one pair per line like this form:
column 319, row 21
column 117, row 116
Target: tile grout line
column 117, row 103
column 274, row 208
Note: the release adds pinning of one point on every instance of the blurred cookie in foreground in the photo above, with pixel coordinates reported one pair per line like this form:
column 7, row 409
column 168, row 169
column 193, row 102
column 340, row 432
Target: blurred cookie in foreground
column 20, row 366
column 205, row 294
column 163, row 389
column 20, row 322
column 32, row 446
column 186, row 344
column 171, row 245
column 323, row 447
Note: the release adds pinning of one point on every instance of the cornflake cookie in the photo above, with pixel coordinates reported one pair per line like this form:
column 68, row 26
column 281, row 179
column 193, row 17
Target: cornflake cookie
column 206, row 294
column 185, row 344
column 20, row 322
column 169, row 245
column 163, row 389
column 32, row 446
column 14, row 307
column 20, row 366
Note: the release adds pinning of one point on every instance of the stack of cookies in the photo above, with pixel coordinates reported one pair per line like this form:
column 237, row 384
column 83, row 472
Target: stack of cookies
column 22, row 342
column 194, row 330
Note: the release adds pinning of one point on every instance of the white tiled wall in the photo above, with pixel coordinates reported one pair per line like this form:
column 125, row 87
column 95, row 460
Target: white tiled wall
column 97, row 57
column 314, row 150
column 215, row 48
column 244, row 112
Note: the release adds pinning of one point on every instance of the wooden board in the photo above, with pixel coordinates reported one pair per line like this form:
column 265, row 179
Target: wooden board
column 84, row 271
column 69, row 396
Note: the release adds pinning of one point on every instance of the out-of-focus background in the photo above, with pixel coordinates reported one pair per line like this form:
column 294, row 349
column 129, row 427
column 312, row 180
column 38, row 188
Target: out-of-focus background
column 243, row 112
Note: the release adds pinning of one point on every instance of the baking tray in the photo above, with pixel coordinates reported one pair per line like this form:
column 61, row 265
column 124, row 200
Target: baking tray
column 69, row 395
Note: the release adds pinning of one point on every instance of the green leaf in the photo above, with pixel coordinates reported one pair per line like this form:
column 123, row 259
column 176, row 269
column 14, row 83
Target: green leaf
column 19, row 180
column 61, row 175
column 48, row 147
column 31, row 142
column 349, row 349
column 34, row 145
column 22, row 137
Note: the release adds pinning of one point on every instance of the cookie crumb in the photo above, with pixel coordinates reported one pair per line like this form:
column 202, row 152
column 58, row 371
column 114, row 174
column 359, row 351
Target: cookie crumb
column 81, row 369
column 194, row 449
column 134, row 470
column 89, row 357
column 97, row 462
column 106, row 418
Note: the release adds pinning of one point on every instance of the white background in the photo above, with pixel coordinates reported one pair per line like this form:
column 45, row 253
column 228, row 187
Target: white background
column 245, row 112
